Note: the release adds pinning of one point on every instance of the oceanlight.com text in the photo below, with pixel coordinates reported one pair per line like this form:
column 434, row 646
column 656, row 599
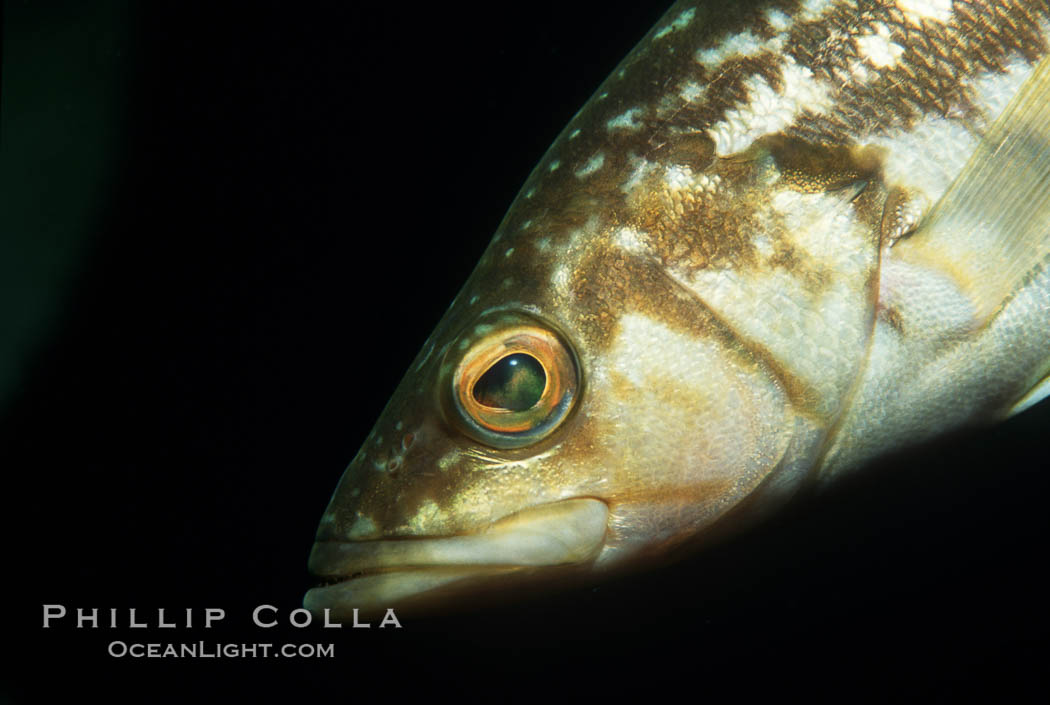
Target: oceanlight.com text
column 203, row 649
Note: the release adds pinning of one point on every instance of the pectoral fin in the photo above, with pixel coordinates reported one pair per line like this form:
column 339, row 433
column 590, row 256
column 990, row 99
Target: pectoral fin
column 1037, row 394
column 991, row 230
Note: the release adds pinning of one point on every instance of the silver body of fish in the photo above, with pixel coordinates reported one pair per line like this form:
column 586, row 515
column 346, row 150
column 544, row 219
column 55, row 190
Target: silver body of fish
column 781, row 239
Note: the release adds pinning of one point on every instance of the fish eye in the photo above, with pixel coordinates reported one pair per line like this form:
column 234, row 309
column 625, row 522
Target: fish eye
column 516, row 382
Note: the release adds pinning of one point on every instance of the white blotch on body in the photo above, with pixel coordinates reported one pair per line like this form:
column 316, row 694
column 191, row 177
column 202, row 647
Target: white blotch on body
column 763, row 245
column 593, row 164
column 448, row 460
column 640, row 168
column 560, row 280
column 877, row 48
column 631, row 240
column 709, row 182
column 778, row 20
column 918, row 10
column 363, row 527
column 680, row 22
column 428, row 518
column 769, row 111
column 857, row 71
column 691, row 91
column 813, row 9
column 678, row 177
column 738, row 45
column 625, row 121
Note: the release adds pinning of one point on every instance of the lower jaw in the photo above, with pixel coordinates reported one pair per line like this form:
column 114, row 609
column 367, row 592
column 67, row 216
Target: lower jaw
column 429, row 591
column 418, row 587
column 543, row 541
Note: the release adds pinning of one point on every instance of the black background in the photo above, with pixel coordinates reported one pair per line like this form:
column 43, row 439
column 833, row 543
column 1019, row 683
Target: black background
column 298, row 193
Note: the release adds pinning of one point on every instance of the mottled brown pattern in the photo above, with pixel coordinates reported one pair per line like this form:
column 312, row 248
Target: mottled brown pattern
column 613, row 283
column 695, row 228
column 979, row 36
column 704, row 226
column 692, row 229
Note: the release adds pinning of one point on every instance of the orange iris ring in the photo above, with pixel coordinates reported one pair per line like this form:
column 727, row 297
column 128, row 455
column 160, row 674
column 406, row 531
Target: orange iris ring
column 504, row 424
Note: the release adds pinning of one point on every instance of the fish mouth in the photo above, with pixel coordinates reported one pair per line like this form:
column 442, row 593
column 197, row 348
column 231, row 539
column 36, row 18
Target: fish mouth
column 382, row 573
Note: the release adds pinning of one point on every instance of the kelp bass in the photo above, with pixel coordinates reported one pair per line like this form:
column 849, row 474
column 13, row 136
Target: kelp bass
column 781, row 239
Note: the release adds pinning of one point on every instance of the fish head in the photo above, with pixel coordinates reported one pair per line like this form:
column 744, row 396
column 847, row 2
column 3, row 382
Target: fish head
column 576, row 410
column 658, row 346
column 696, row 304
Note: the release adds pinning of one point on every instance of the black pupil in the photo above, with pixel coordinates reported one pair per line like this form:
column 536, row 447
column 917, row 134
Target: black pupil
column 515, row 382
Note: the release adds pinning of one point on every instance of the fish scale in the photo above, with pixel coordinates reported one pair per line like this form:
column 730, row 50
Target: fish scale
column 727, row 268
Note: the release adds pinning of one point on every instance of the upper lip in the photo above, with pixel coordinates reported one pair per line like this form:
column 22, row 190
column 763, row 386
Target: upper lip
column 570, row 531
